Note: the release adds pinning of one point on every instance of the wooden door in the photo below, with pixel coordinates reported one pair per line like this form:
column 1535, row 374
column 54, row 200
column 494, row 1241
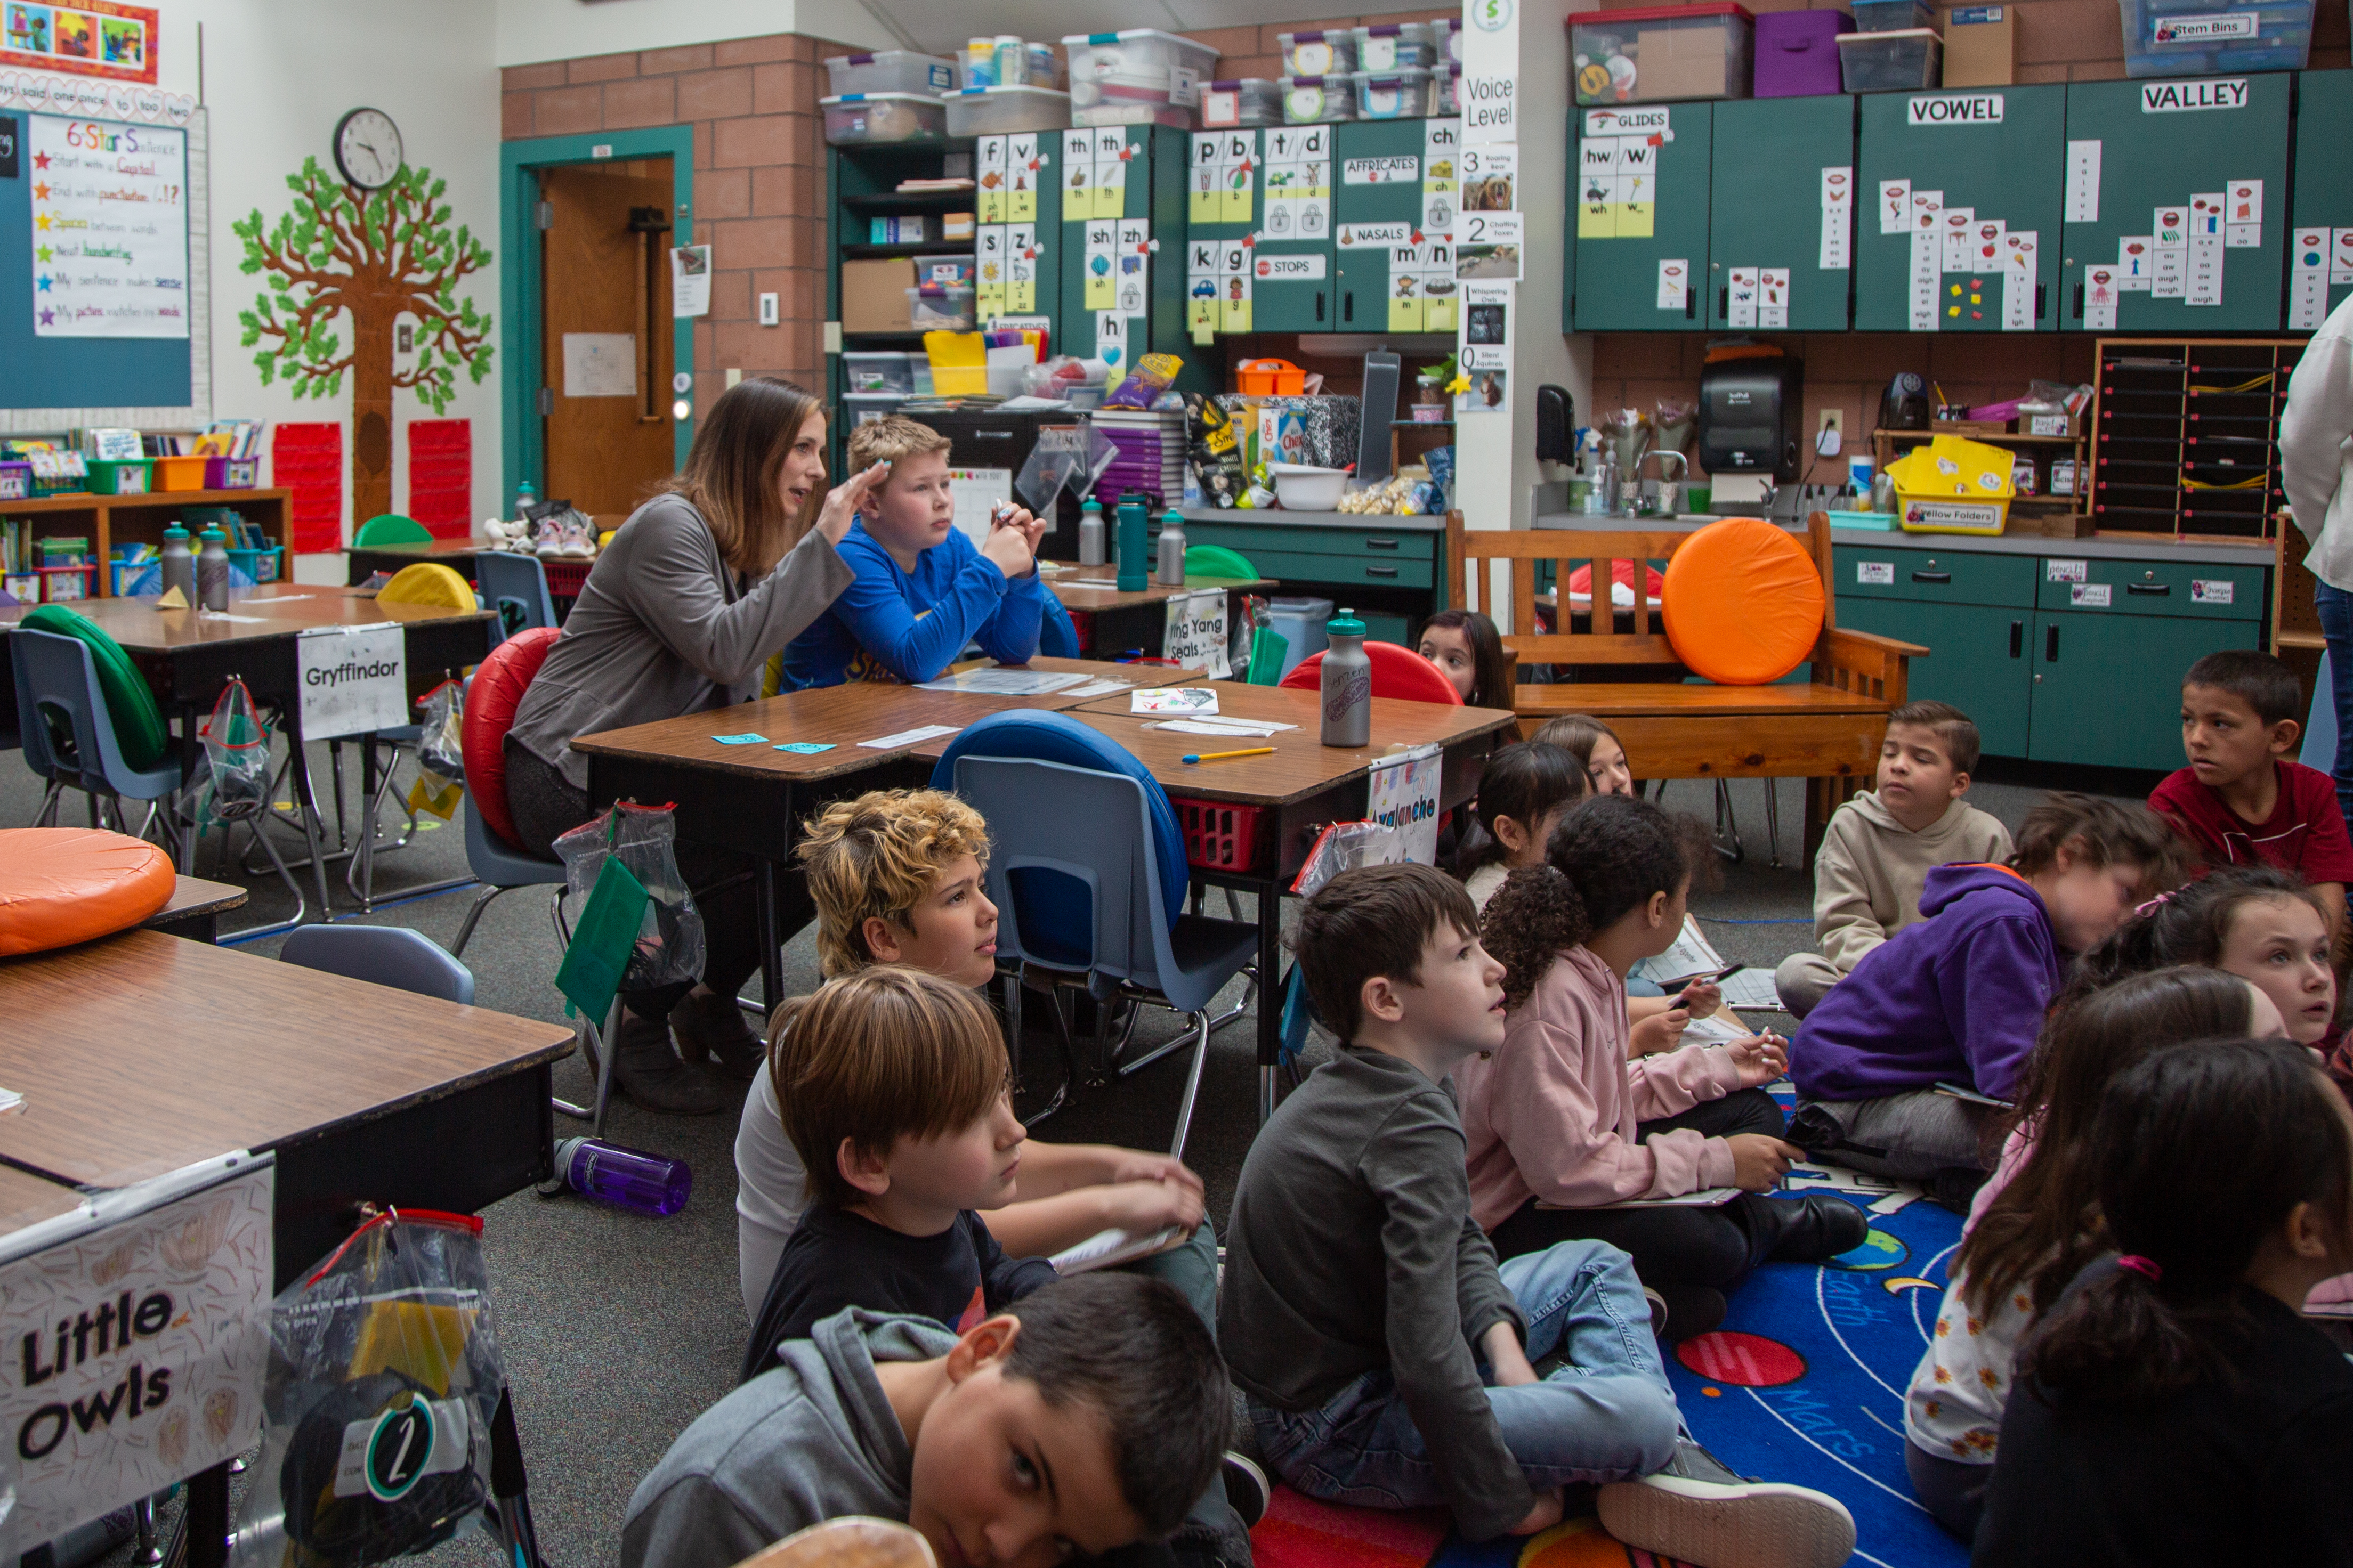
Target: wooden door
column 605, row 318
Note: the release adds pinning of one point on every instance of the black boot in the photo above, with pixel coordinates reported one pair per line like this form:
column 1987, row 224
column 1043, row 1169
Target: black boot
column 1692, row 1310
column 650, row 1073
column 1816, row 1228
column 712, row 1028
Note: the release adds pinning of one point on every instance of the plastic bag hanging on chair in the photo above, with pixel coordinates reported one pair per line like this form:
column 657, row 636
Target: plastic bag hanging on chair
column 384, row 1380
column 441, row 753
column 237, row 756
column 670, row 946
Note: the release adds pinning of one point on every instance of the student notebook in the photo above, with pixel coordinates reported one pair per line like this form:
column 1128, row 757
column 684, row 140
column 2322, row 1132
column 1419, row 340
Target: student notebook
column 1110, row 1248
column 1705, row 1198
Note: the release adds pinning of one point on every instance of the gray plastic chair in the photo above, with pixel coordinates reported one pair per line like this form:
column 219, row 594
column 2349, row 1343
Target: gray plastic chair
column 386, row 955
column 501, row 867
column 1094, row 829
column 518, row 580
column 55, row 673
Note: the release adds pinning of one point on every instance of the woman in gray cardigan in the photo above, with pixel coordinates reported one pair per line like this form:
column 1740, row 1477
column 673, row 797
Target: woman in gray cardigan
column 698, row 590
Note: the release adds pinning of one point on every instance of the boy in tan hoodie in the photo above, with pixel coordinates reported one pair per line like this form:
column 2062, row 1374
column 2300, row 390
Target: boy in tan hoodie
column 1882, row 844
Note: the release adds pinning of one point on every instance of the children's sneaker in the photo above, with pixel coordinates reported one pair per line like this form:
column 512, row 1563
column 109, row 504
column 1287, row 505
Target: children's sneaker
column 1698, row 1510
column 550, row 544
column 1245, row 1489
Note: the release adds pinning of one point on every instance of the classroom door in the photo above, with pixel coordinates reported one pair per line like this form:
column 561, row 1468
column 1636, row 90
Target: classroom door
column 605, row 328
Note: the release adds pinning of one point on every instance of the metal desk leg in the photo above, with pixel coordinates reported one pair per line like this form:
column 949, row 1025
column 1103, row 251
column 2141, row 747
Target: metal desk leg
column 184, row 843
column 771, row 961
column 313, row 830
column 1270, row 994
column 201, row 1539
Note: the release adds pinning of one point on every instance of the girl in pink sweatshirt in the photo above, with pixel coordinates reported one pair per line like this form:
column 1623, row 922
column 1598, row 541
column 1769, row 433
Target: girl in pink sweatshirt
column 1563, row 1130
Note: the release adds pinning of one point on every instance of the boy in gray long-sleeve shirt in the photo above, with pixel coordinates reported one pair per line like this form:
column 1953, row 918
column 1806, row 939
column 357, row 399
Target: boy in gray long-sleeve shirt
column 1360, row 1298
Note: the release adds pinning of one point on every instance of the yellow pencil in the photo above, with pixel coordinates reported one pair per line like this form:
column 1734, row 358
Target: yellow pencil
column 1245, row 751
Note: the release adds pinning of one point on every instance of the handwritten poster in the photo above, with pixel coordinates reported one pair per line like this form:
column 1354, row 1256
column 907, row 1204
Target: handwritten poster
column 110, row 228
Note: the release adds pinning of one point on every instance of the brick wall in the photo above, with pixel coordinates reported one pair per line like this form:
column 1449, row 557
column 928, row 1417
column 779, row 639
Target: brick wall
column 759, row 178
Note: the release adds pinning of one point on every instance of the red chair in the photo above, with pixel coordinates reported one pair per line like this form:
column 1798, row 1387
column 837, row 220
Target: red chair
column 1397, row 672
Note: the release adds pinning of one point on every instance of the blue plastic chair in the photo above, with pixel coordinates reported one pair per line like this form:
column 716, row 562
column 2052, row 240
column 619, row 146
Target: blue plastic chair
column 59, row 700
column 1078, row 868
column 385, row 955
column 501, row 867
column 1056, row 636
column 519, row 580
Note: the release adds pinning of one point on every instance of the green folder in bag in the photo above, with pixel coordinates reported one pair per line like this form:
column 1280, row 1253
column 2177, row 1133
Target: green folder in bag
column 1269, row 648
column 607, row 935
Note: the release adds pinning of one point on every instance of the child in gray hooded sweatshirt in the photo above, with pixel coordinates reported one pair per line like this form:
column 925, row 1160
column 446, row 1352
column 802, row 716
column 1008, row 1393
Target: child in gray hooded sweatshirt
column 1881, row 846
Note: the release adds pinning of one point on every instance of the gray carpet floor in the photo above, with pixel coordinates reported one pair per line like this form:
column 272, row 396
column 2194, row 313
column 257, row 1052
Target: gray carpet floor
column 619, row 1330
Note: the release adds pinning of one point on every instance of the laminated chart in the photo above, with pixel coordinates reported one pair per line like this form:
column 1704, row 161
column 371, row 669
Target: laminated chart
column 110, row 228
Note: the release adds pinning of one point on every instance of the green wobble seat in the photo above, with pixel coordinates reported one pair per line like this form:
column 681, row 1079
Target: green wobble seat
column 1217, row 561
column 138, row 722
column 391, row 528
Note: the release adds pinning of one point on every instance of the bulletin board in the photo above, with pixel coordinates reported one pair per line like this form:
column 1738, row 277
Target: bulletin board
column 57, row 382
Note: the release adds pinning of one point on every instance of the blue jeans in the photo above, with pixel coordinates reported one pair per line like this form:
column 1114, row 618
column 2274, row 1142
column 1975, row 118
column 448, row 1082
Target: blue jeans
column 1608, row 1415
column 2336, row 606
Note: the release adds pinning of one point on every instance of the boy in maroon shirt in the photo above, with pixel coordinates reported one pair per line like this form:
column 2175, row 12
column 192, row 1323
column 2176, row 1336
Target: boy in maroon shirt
column 2240, row 800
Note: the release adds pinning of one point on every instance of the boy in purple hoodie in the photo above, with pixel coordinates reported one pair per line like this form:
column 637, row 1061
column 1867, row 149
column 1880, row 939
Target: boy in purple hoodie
column 1959, row 998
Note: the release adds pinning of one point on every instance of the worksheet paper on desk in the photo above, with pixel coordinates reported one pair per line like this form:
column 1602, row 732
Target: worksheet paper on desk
column 1751, row 988
column 1099, row 687
column 1003, row 683
column 1224, row 732
column 911, row 737
column 1195, row 699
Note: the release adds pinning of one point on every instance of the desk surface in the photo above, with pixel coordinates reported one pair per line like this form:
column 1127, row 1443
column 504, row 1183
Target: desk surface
column 28, row 1200
column 838, row 716
column 1065, row 587
column 141, row 628
column 143, row 1052
column 194, row 896
column 1300, row 764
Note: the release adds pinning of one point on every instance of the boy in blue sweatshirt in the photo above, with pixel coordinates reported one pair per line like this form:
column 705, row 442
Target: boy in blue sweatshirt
column 923, row 590
column 1958, row 997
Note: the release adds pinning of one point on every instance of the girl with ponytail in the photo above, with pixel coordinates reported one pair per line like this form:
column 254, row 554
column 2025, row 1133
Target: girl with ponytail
column 2173, row 1407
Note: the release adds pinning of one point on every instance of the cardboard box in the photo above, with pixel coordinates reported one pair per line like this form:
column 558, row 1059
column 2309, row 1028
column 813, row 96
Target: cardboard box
column 1685, row 62
column 1981, row 45
column 874, row 295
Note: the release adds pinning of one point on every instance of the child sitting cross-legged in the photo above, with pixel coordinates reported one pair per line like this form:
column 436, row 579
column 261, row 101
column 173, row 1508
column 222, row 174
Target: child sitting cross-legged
column 2172, row 1407
column 2242, row 801
column 1385, row 1356
column 1082, row 1419
column 1882, row 843
column 1560, row 1122
column 2033, row 1226
column 896, row 879
column 1524, row 791
column 1958, row 998
column 923, row 590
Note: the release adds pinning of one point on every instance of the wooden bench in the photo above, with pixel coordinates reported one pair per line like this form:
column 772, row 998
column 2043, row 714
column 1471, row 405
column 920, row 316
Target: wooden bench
column 1826, row 731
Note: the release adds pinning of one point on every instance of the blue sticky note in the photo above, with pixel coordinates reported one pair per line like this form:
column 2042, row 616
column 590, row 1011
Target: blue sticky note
column 746, row 739
column 806, row 748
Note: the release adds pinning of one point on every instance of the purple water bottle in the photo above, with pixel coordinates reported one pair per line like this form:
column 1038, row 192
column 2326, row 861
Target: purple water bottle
column 626, row 1178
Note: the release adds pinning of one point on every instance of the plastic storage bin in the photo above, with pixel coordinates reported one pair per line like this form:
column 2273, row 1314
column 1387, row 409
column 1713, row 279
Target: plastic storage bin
column 879, row 372
column 864, row 407
column 1449, row 88
column 1140, row 63
column 1219, row 834
column 1905, row 61
column 858, row 118
column 953, row 271
column 891, row 70
column 1393, row 95
column 1392, row 46
column 261, row 565
column 1302, row 622
column 1654, row 52
column 1892, row 16
column 1796, row 53
column 1318, row 99
column 2175, row 38
column 1008, row 110
column 232, row 473
column 1249, row 103
column 1317, row 53
column 941, row 310
column 129, row 476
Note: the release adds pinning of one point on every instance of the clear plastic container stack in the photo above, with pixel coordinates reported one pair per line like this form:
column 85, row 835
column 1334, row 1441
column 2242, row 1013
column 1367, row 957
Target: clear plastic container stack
column 1392, row 46
column 1248, row 103
column 1008, row 110
column 1318, row 99
column 857, row 119
column 1140, row 76
column 891, row 70
column 1332, row 53
column 1401, row 94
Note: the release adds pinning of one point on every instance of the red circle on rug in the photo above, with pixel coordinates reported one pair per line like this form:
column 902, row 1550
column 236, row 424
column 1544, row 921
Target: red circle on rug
column 1744, row 1360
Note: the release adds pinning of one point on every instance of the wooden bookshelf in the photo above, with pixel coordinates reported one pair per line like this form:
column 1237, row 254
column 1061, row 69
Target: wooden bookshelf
column 109, row 520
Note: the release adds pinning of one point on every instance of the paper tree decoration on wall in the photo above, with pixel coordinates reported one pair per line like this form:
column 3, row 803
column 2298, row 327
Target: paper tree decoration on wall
column 375, row 256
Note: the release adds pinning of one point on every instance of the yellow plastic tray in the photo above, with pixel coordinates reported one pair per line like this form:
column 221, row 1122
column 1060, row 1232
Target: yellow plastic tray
column 1952, row 485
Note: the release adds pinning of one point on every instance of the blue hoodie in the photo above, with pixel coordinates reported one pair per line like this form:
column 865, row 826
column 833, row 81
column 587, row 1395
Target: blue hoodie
column 1957, row 998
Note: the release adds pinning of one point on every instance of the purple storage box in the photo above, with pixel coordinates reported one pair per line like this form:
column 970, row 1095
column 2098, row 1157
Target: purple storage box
column 15, row 482
column 1796, row 53
column 231, row 473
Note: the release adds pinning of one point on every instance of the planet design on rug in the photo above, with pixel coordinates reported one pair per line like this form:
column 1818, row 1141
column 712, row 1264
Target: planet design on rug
column 1744, row 1360
column 1897, row 1286
column 1879, row 1250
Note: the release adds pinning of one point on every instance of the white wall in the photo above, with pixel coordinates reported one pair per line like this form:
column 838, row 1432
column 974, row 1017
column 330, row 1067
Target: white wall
column 529, row 31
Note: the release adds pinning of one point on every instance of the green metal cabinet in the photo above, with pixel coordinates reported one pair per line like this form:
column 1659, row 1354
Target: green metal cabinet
column 1156, row 169
column 2096, row 698
column 2161, row 144
column 1999, row 153
column 1972, row 611
column 1774, row 161
column 1292, row 289
column 1376, row 204
column 1630, row 251
column 2323, row 181
column 1392, row 577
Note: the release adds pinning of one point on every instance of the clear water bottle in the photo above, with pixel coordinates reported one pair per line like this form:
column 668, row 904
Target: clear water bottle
column 1170, row 571
column 1132, row 570
column 1348, row 683
column 1091, row 532
column 626, row 1178
column 526, row 498
column 212, row 570
column 179, row 565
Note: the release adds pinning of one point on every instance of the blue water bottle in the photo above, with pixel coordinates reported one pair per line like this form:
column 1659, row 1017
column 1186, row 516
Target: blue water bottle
column 1134, row 563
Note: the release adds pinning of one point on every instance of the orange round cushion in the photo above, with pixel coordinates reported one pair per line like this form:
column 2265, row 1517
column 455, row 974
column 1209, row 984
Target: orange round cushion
column 500, row 682
column 1743, row 603
column 60, row 886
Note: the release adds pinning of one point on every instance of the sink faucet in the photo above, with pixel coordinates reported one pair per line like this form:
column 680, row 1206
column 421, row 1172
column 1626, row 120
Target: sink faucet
column 1658, row 494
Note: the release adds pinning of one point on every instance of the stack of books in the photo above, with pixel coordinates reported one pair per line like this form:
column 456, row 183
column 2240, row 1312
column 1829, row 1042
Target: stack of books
column 1151, row 449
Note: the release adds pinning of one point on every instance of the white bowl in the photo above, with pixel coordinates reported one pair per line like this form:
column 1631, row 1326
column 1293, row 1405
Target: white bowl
column 1301, row 488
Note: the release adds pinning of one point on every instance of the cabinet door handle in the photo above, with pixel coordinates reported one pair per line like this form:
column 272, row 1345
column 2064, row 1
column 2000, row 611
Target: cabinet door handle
column 1724, row 303
column 1319, row 305
column 2079, row 301
column 2153, row 589
column 1348, row 306
column 2050, row 643
column 2017, row 638
column 1380, row 571
column 1931, row 576
column 1381, row 544
column 1690, row 303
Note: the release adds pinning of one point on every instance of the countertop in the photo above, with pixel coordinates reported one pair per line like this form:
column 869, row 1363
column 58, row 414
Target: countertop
column 2253, row 552
column 1274, row 517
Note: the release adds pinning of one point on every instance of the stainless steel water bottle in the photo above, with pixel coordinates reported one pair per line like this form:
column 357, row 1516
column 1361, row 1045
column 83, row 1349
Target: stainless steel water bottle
column 1348, row 683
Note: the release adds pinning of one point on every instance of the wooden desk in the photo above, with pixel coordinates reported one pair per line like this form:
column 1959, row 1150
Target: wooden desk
column 1110, row 622
column 195, row 909
column 141, row 1053
column 364, row 560
column 753, row 798
column 1305, row 784
column 26, row 1199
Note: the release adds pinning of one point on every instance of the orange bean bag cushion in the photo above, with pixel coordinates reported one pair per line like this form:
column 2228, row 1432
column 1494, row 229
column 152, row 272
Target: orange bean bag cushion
column 1743, row 603
column 60, row 886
